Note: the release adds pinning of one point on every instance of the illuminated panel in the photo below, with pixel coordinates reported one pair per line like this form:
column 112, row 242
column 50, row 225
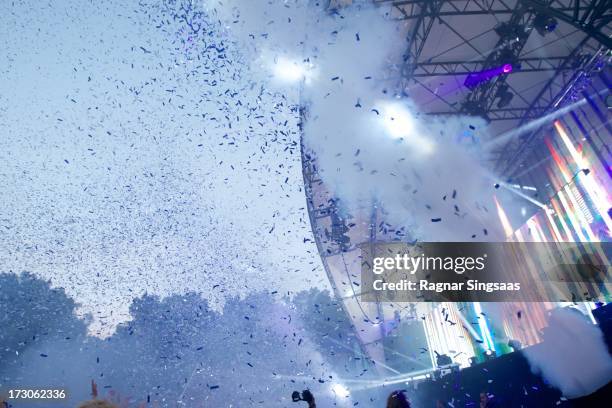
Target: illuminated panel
column 446, row 338
column 484, row 327
column 561, row 218
column 576, row 217
column 588, row 216
column 524, row 321
column 503, row 218
column 553, row 226
column 596, row 193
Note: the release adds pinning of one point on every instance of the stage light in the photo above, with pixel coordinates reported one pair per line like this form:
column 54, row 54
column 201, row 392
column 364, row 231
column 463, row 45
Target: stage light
column 401, row 124
column 507, row 57
column 510, row 31
column 505, row 99
column 519, row 193
column 443, row 360
column 490, row 355
column 287, row 70
column 474, row 108
column 340, row 390
column 291, row 71
column 544, row 24
column 504, row 95
column 398, row 121
column 530, row 188
column 476, row 78
column 515, row 344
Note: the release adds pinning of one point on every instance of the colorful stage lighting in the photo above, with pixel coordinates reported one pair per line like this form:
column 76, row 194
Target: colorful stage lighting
column 477, row 78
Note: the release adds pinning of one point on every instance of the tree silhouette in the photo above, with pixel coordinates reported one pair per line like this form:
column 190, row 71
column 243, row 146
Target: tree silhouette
column 33, row 312
column 257, row 350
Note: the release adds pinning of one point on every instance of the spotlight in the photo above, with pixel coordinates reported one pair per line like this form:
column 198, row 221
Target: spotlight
column 509, row 60
column 340, row 390
column 443, row 360
column 398, row 121
column 401, row 124
column 544, row 24
column 474, row 79
column 510, row 31
column 490, row 355
column 474, row 108
column 504, row 95
column 515, row 344
column 292, row 71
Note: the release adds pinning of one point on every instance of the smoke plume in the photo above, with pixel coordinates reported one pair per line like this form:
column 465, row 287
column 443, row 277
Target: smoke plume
column 372, row 143
column 573, row 356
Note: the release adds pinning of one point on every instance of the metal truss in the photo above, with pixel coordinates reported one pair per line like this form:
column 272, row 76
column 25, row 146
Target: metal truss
column 513, row 37
column 409, row 9
column 425, row 14
column 453, row 68
column 496, row 114
column 513, row 151
column 591, row 17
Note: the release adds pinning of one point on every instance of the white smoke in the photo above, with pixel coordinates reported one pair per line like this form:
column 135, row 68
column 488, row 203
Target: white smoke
column 372, row 145
column 573, row 356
